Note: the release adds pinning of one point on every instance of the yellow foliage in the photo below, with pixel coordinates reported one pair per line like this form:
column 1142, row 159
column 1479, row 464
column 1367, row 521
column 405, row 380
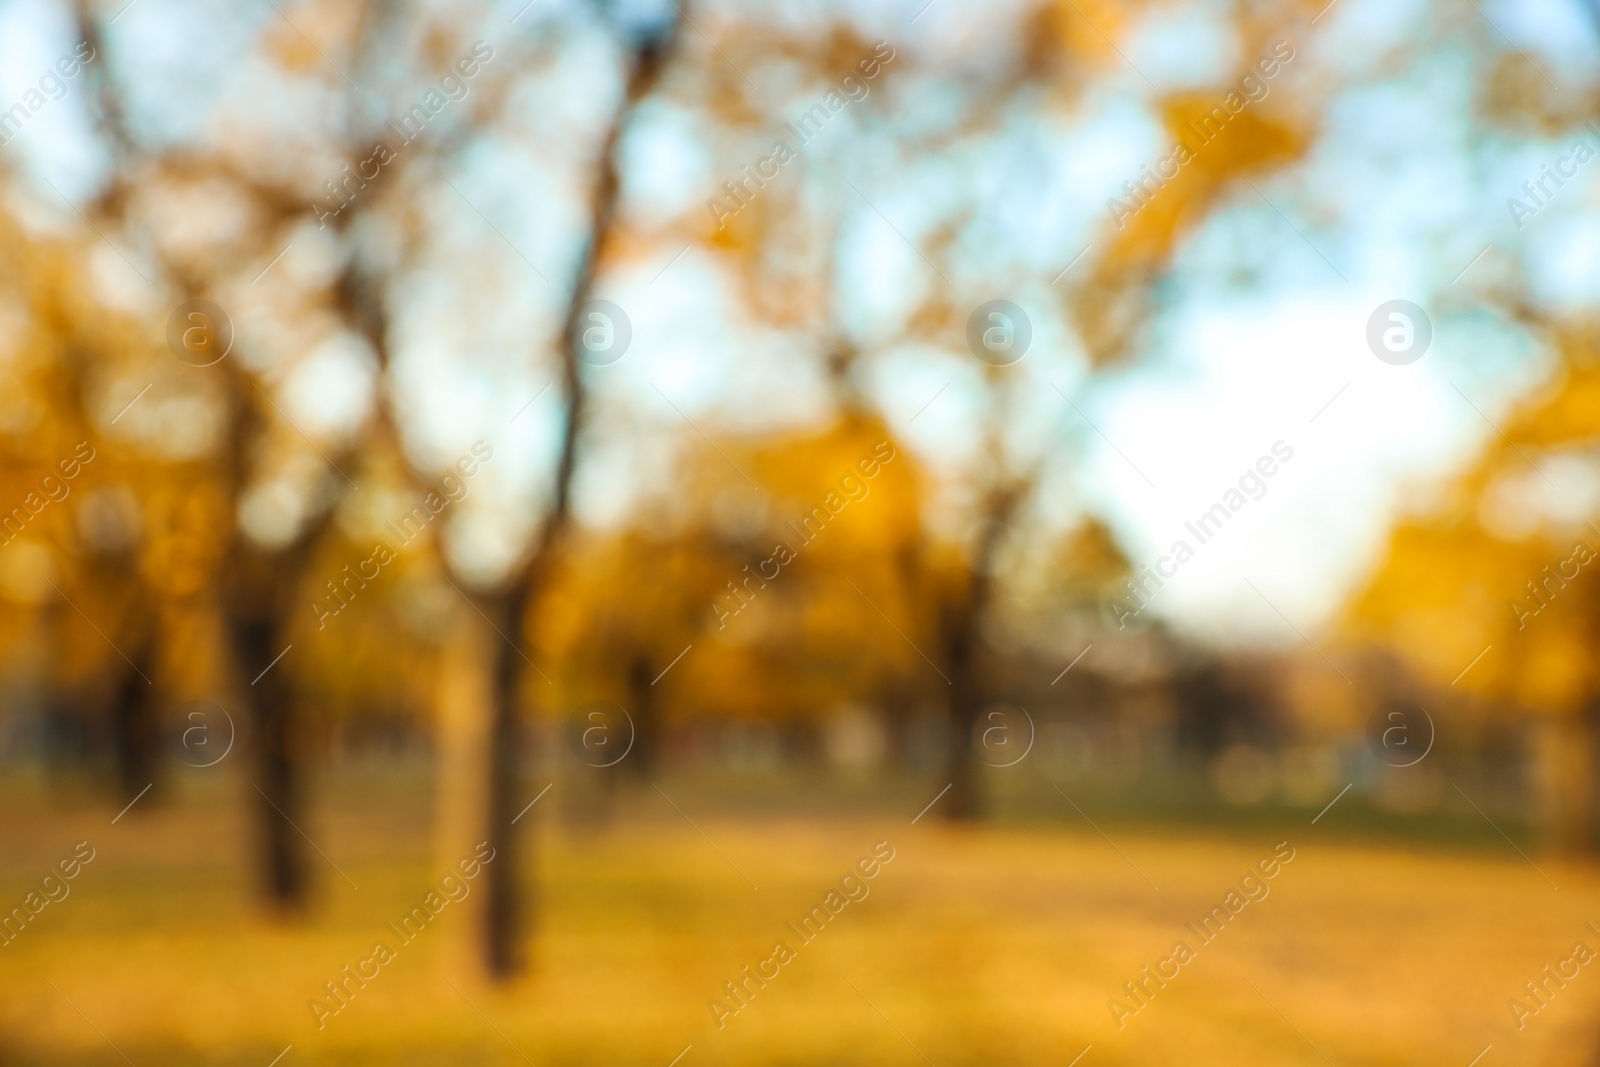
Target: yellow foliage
column 1251, row 143
column 769, row 639
column 1449, row 588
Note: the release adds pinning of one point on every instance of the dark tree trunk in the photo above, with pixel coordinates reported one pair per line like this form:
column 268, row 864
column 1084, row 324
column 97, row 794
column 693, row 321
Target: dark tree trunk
column 135, row 728
column 505, row 919
column 277, row 798
column 646, row 754
column 258, row 601
column 962, row 623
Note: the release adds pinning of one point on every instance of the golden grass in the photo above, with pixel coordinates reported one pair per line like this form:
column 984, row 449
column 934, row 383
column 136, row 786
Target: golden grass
column 996, row 945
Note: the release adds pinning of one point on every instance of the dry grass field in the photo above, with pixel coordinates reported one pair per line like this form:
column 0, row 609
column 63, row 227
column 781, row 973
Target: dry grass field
column 998, row 945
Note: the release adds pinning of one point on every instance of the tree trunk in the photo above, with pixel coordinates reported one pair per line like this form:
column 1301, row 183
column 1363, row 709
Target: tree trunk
column 135, row 729
column 258, row 601
column 641, row 762
column 504, row 915
column 961, row 625
column 276, row 798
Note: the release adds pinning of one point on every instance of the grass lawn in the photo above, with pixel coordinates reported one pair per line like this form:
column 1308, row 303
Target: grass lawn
column 993, row 945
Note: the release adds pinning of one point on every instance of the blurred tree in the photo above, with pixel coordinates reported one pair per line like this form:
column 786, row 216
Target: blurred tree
column 788, row 249
column 647, row 51
column 267, row 573
column 1494, row 576
column 768, row 586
